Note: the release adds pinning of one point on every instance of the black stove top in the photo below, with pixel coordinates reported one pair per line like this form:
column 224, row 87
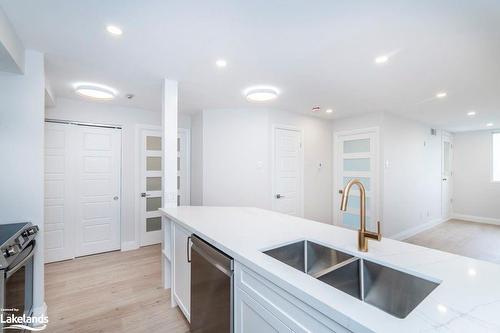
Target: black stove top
column 8, row 230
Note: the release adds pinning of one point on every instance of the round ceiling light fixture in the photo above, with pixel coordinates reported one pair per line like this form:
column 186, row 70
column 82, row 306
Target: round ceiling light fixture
column 221, row 63
column 471, row 113
column 261, row 93
column 94, row 90
column 381, row 59
column 114, row 30
column 329, row 111
column 441, row 94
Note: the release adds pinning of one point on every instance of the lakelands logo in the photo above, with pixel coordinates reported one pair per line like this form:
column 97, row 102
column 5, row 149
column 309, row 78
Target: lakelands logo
column 13, row 322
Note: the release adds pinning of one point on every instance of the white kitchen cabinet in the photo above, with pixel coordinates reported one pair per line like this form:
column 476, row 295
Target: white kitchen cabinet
column 275, row 307
column 251, row 317
column 181, row 275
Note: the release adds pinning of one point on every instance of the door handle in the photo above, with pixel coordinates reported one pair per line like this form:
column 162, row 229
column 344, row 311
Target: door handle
column 187, row 249
column 341, row 191
column 279, row 196
column 144, row 194
column 115, row 198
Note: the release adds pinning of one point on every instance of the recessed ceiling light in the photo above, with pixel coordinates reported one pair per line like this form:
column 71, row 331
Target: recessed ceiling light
column 114, row 30
column 381, row 59
column 471, row 113
column 261, row 93
column 441, row 308
column 94, row 90
column 221, row 63
column 489, row 124
column 328, row 110
column 442, row 94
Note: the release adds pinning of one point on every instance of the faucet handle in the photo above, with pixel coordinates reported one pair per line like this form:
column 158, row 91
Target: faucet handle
column 379, row 233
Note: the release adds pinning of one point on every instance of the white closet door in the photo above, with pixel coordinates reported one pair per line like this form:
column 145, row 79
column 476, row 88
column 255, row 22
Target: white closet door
column 97, row 192
column 58, row 189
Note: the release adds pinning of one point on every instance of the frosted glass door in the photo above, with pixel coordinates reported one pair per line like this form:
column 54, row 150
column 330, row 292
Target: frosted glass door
column 356, row 159
column 151, row 184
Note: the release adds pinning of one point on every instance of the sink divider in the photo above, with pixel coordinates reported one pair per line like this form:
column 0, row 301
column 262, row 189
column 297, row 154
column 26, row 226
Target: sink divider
column 334, row 267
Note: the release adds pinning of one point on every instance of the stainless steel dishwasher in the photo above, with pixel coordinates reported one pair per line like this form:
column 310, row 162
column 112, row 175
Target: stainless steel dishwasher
column 211, row 289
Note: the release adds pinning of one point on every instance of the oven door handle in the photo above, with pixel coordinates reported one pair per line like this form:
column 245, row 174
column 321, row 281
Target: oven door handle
column 11, row 271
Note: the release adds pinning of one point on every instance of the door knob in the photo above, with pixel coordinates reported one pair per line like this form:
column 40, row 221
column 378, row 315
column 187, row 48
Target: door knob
column 144, row 194
column 115, row 198
column 279, row 196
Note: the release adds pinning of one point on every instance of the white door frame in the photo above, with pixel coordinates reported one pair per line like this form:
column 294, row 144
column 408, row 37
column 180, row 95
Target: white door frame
column 338, row 184
column 447, row 137
column 187, row 190
column 301, row 166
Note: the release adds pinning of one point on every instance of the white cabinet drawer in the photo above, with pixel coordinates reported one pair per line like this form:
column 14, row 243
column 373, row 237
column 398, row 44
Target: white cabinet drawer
column 295, row 314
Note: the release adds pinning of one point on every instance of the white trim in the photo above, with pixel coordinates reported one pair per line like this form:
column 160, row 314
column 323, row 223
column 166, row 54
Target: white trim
column 129, row 245
column 477, row 219
column 492, row 155
column 274, row 127
column 417, row 229
column 187, row 191
column 40, row 310
column 376, row 173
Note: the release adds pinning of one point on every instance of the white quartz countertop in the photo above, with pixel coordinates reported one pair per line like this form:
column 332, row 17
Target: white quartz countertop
column 467, row 300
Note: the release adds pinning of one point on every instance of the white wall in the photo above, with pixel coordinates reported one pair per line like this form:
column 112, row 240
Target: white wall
column 412, row 181
column 236, row 154
column 21, row 148
column 410, row 193
column 474, row 195
column 12, row 53
column 128, row 119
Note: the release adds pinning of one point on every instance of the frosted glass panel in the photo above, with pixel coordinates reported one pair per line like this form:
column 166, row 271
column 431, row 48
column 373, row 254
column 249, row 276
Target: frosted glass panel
column 357, row 146
column 153, row 184
column 153, row 224
column 153, row 143
column 365, row 181
column 354, row 202
column 153, row 204
column 357, row 164
column 153, row 163
column 352, row 221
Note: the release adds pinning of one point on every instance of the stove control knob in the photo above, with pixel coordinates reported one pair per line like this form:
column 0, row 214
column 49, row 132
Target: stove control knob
column 31, row 231
column 11, row 251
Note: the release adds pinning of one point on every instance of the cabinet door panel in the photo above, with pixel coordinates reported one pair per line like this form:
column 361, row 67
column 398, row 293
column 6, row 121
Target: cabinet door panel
column 251, row 317
column 182, row 270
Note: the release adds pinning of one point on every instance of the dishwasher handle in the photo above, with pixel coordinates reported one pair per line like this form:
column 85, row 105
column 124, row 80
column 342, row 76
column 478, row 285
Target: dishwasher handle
column 188, row 253
column 215, row 257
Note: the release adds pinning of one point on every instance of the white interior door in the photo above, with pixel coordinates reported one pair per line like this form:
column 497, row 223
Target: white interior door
column 58, row 188
column 357, row 157
column 82, row 190
column 98, row 190
column 288, row 171
column 151, row 164
column 447, row 173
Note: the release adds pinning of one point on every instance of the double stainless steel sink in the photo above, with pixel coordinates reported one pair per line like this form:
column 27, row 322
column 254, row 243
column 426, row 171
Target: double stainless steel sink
column 388, row 289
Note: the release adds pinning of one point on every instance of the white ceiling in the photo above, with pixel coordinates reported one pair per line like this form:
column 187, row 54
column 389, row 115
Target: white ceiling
column 316, row 52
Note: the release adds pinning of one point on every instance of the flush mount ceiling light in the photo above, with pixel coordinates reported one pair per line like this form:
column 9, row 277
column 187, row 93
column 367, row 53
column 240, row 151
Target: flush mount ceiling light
column 329, row 110
column 221, row 63
column 471, row 113
column 381, row 59
column 261, row 93
column 93, row 90
column 114, row 30
column 442, row 94
column 489, row 124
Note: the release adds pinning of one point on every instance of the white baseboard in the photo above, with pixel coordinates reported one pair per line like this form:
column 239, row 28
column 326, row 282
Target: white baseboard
column 130, row 245
column 478, row 219
column 417, row 229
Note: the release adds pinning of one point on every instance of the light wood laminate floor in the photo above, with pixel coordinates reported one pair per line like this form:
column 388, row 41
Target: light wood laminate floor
column 111, row 292
column 470, row 239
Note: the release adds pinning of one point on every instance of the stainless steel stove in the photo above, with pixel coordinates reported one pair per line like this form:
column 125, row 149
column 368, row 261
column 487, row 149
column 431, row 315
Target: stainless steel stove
column 17, row 247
